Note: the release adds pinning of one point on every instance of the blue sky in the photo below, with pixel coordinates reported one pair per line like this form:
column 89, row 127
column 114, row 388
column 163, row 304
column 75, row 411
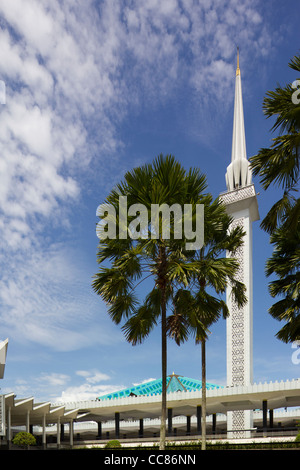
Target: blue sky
column 94, row 88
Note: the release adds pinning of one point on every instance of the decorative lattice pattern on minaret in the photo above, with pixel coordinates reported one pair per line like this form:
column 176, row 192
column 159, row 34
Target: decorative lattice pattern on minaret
column 238, row 195
column 238, row 340
column 237, row 322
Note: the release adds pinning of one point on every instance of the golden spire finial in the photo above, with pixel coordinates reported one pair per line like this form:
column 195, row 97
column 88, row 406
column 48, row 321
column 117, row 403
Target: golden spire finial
column 238, row 72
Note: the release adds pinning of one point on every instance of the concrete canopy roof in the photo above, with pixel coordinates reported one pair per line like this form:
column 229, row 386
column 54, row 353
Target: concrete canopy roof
column 25, row 408
column 277, row 394
column 183, row 403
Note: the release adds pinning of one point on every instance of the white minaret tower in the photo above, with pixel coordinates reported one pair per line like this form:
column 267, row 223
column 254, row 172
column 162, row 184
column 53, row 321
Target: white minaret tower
column 241, row 203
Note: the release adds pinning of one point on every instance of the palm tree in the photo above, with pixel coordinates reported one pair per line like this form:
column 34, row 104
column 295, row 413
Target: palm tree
column 133, row 259
column 279, row 165
column 195, row 309
column 285, row 263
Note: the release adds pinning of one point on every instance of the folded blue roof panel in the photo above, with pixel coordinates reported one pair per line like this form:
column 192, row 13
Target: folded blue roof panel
column 175, row 383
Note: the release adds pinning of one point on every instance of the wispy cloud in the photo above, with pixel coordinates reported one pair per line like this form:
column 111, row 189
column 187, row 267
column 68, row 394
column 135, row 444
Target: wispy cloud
column 89, row 389
column 73, row 72
column 48, row 300
column 61, row 387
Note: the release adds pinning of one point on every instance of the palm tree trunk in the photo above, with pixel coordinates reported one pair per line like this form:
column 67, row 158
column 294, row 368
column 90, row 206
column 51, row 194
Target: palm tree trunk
column 164, row 376
column 162, row 284
column 203, row 417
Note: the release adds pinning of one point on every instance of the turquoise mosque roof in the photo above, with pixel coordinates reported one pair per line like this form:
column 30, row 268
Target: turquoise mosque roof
column 175, row 383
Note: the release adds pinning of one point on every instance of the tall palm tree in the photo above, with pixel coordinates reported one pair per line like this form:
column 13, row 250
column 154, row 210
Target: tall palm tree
column 285, row 263
column 196, row 308
column 279, row 166
column 163, row 261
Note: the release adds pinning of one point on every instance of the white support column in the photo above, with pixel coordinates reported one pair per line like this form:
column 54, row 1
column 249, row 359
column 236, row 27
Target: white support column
column 8, row 434
column 44, row 438
column 58, row 432
column 28, row 421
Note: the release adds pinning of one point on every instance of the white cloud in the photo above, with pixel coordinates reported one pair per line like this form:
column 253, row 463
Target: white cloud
column 55, row 386
column 72, row 72
column 143, row 381
column 90, row 389
column 93, row 376
column 48, row 301
column 54, row 379
column 85, row 392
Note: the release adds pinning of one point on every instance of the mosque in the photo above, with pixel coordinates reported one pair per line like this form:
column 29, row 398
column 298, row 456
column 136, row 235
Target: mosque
column 241, row 409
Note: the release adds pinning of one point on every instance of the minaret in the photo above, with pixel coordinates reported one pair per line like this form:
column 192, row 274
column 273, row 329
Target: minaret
column 241, row 203
column 238, row 172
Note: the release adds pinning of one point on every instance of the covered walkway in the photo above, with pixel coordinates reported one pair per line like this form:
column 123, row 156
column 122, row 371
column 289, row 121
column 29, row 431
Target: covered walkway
column 187, row 404
column 26, row 413
column 138, row 414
